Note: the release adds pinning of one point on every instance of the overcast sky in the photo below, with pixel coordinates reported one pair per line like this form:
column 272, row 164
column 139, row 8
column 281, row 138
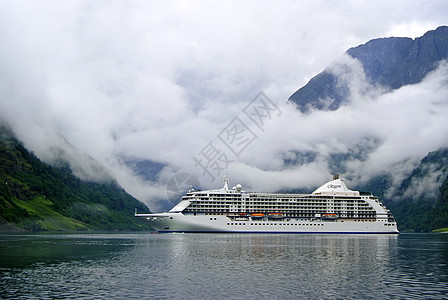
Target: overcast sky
column 166, row 81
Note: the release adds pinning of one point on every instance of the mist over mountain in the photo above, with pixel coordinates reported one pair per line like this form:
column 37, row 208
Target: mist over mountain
column 36, row 196
column 387, row 64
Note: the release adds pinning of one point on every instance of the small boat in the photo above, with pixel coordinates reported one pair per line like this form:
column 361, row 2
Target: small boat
column 257, row 216
column 329, row 216
column 275, row 216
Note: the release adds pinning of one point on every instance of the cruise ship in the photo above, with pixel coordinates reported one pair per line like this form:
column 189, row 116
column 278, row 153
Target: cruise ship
column 332, row 208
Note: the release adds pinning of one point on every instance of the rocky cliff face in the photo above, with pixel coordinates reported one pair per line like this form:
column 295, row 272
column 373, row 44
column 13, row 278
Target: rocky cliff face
column 389, row 63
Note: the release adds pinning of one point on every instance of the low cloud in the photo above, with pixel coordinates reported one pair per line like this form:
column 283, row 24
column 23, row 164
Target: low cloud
column 378, row 132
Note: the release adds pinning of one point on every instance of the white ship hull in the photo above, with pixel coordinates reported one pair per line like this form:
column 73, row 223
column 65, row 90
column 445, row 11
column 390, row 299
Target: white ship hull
column 178, row 222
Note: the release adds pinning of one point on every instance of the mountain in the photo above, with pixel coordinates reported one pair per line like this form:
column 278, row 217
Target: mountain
column 36, row 196
column 146, row 170
column 420, row 202
column 388, row 63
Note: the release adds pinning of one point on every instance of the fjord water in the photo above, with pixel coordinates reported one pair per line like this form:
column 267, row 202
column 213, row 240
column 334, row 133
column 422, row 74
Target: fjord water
column 220, row 266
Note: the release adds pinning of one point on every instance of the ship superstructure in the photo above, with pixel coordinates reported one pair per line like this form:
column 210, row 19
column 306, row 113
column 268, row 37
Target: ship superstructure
column 332, row 208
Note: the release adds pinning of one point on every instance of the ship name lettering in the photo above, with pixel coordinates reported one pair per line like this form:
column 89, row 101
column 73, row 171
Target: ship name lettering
column 333, row 186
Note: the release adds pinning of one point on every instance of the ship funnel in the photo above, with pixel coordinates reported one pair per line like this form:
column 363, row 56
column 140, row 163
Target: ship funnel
column 335, row 176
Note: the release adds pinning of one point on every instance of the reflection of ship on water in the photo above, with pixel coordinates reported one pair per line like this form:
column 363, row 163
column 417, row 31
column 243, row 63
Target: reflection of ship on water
column 332, row 208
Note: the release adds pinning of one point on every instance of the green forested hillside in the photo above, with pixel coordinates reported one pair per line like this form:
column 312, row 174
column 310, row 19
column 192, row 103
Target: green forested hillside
column 422, row 212
column 425, row 213
column 36, row 196
column 420, row 215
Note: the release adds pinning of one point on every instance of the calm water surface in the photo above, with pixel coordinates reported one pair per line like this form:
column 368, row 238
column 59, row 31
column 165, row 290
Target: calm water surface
column 224, row 266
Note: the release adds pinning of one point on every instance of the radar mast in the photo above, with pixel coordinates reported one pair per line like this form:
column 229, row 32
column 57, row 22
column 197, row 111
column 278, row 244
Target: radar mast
column 225, row 180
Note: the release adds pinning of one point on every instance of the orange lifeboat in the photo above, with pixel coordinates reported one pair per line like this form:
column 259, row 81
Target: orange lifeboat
column 257, row 215
column 329, row 216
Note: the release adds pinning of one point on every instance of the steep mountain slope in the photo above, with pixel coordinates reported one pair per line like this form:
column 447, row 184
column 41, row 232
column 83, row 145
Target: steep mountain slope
column 388, row 63
column 420, row 202
column 36, row 196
